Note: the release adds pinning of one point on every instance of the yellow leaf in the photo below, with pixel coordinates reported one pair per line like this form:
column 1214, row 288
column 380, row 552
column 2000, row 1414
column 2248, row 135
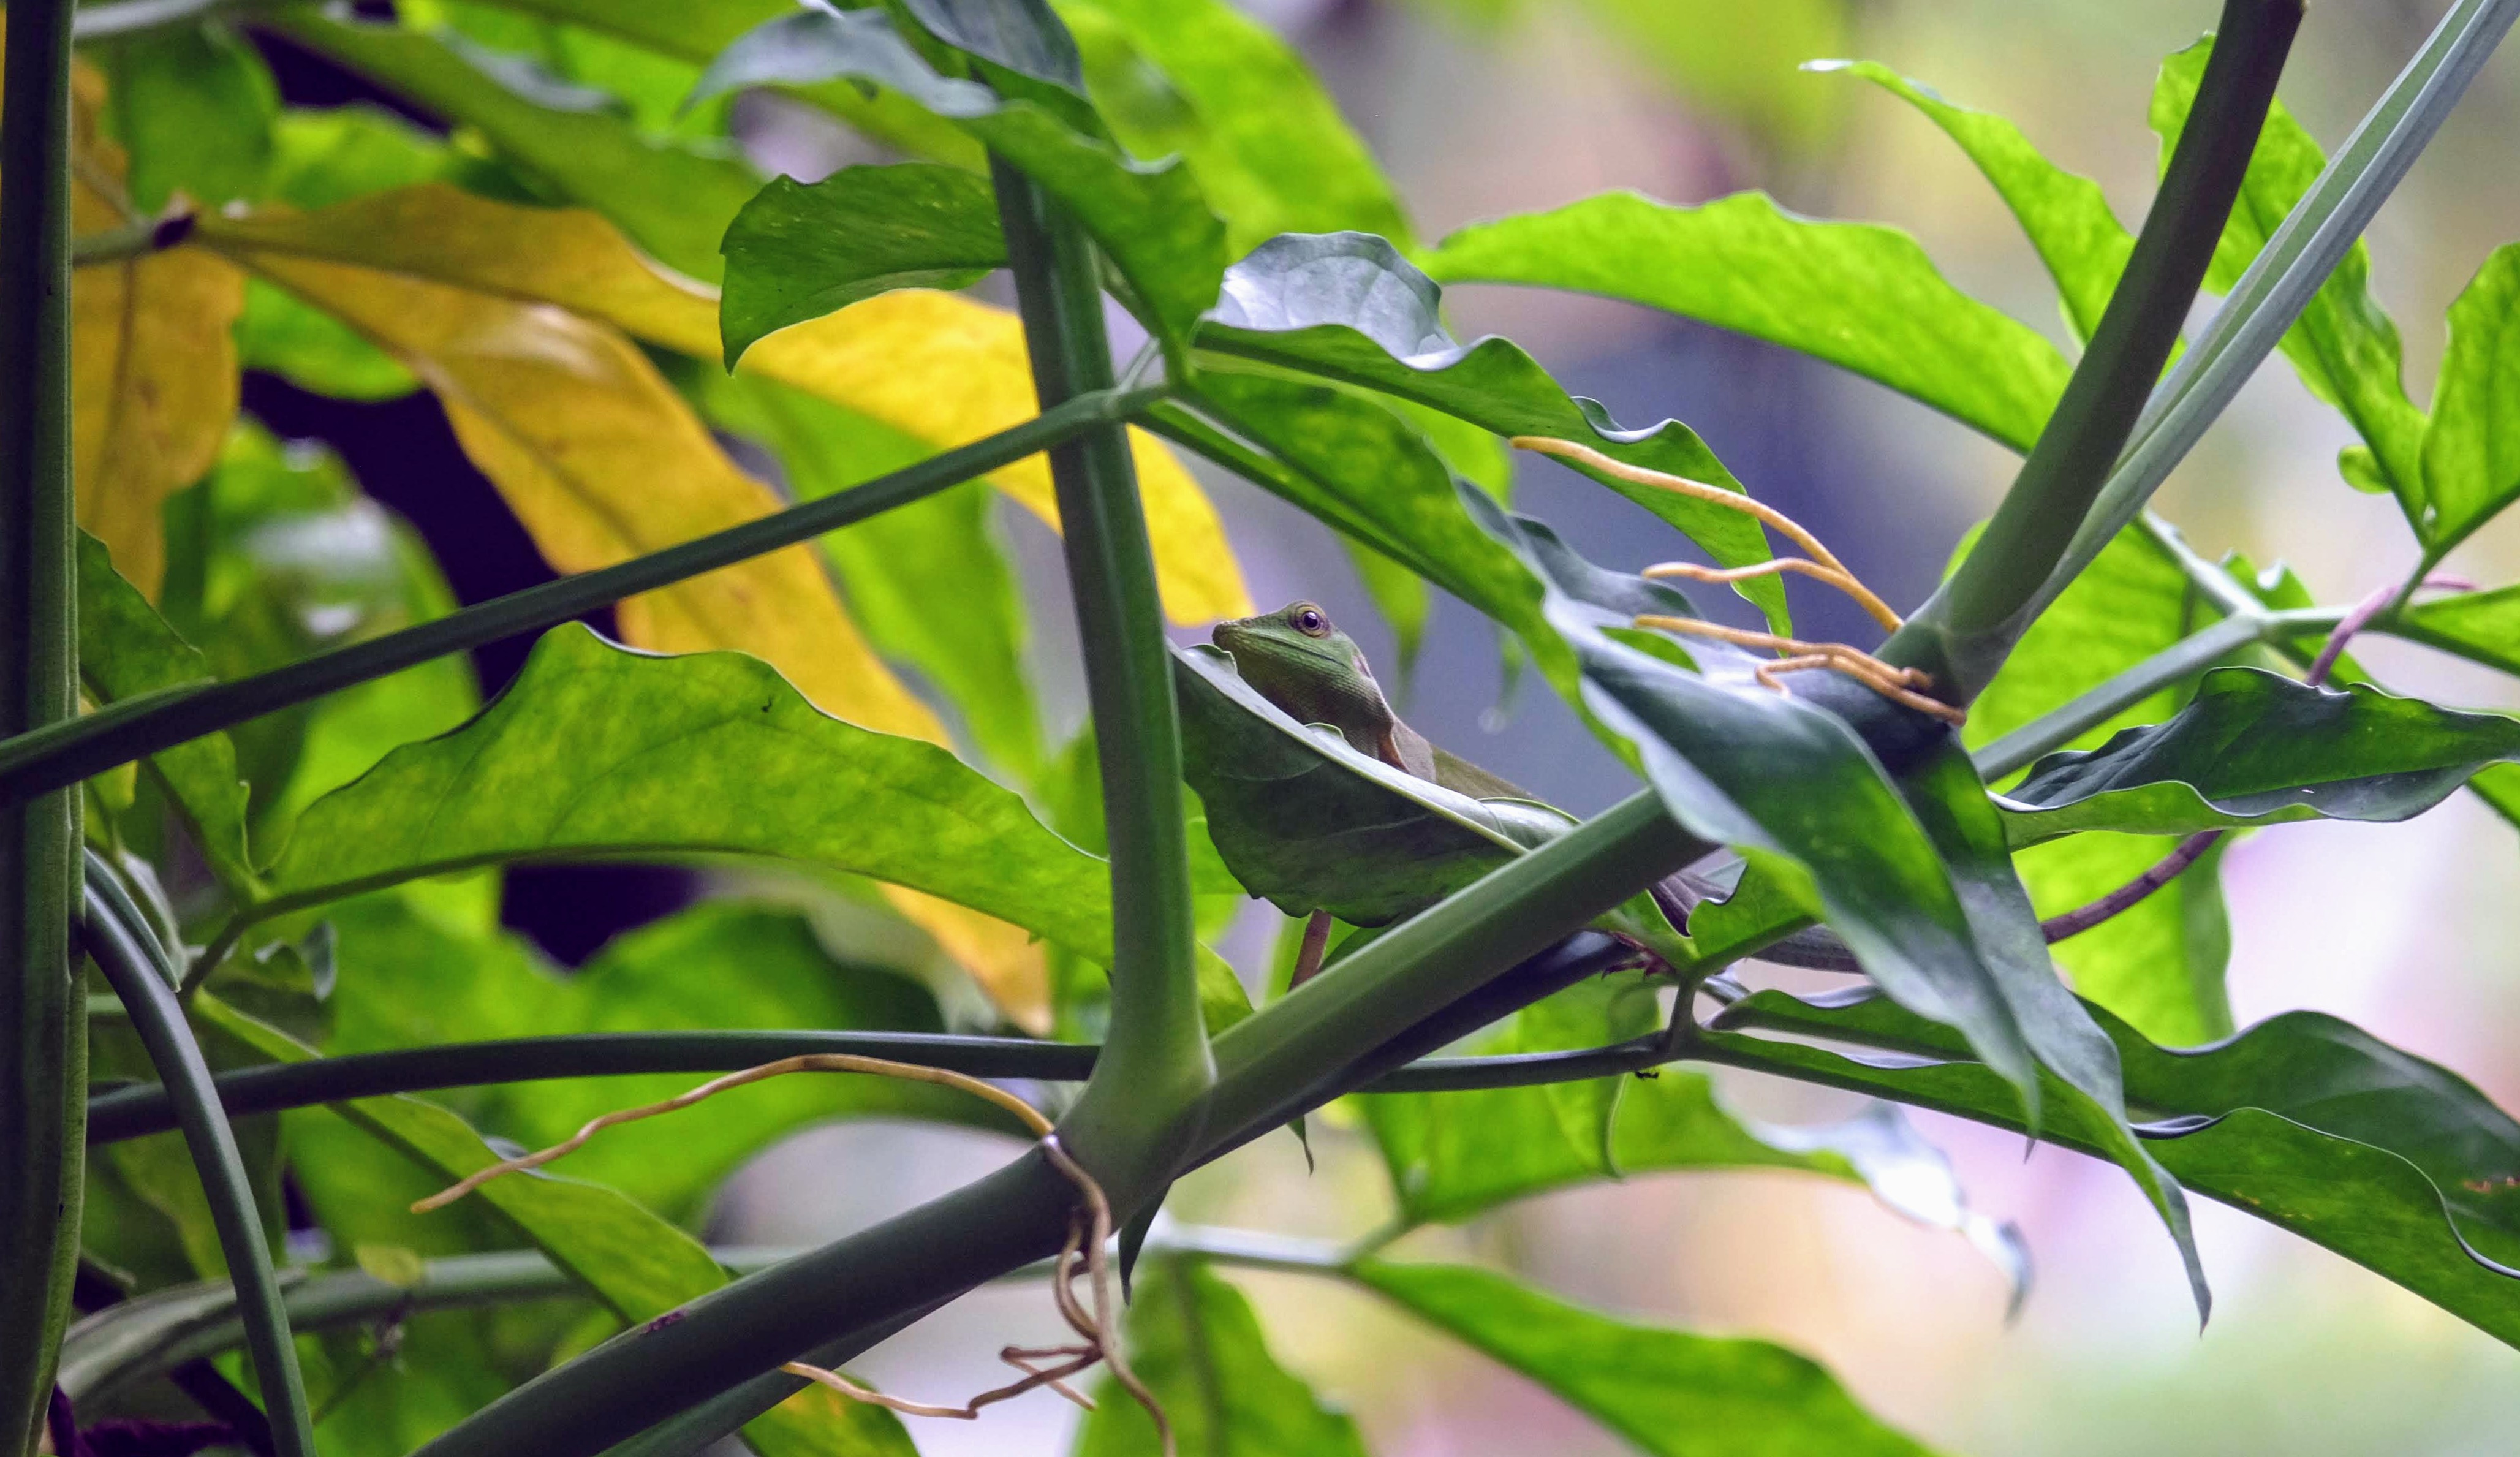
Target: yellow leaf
column 602, row 461
column 153, row 361
column 939, row 367
column 1004, row 958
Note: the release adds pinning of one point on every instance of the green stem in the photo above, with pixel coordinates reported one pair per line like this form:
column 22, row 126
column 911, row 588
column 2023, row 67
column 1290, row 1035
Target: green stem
column 43, row 1038
column 144, row 983
column 2291, row 268
column 32, row 763
column 138, row 1110
column 1142, row 1109
column 1964, row 633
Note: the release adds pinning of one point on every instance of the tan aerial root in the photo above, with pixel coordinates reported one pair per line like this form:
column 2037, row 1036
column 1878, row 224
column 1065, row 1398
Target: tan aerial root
column 1824, row 565
column 1898, row 684
column 1088, row 1230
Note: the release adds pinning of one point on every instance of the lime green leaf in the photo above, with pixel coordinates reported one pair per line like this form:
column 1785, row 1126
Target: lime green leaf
column 1262, row 137
column 798, row 252
column 311, row 350
column 125, row 650
column 966, row 644
column 599, row 750
column 2159, row 964
column 1150, row 220
column 2471, row 465
column 1862, row 297
column 1196, row 1343
column 194, row 105
column 2256, row 748
column 2064, row 213
column 1347, row 306
column 1670, row 1393
column 2483, row 625
column 2344, row 346
column 2304, row 1120
column 673, row 199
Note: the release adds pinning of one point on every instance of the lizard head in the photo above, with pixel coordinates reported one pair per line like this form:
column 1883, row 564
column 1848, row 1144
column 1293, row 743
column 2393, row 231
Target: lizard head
column 1297, row 658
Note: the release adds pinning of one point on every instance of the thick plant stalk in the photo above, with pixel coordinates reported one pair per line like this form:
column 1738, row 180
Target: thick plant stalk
column 43, row 1032
column 1964, row 633
column 1141, row 1107
column 68, row 752
column 140, row 980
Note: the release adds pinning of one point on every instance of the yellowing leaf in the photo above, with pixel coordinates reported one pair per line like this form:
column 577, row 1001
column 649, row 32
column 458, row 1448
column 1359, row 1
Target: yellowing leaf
column 939, row 367
column 153, row 361
column 1009, row 965
column 602, row 461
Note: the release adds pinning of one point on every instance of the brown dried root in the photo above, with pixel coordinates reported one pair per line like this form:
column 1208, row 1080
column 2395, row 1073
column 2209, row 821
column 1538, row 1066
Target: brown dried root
column 1088, row 1230
column 1898, row 684
column 1822, row 566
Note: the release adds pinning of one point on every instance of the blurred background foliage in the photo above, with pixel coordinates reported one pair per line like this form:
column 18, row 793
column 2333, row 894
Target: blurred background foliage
column 343, row 504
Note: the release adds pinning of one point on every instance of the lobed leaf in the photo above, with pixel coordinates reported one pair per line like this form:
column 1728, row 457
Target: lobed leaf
column 2255, row 748
column 1150, row 219
column 798, row 252
column 2344, row 346
column 1860, row 295
column 1196, row 1343
column 1670, row 1393
column 1348, row 307
column 595, row 750
column 2471, row 454
column 2304, row 1120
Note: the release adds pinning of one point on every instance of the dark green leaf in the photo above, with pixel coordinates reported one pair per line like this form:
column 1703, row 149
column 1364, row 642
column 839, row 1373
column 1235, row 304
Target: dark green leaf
column 673, row 199
column 1196, row 1343
column 2304, row 1120
column 1347, row 306
column 967, row 644
column 1859, row 296
column 598, row 751
column 800, row 252
column 1264, row 138
column 1670, row 1393
column 2343, row 346
column 2064, row 213
column 1150, row 218
column 126, row 650
column 2256, row 748
column 193, row 105
column 2471, row 467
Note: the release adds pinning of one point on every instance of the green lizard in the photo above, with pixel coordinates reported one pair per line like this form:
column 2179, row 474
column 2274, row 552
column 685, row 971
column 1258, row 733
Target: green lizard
column 1298, row 659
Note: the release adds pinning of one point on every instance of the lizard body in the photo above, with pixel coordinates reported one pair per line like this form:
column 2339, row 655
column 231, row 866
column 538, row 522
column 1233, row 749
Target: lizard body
column 1297, row 658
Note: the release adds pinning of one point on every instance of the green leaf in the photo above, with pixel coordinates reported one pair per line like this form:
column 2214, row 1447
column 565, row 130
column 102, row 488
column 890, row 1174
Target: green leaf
column 673, row 199
column 2255, row 748
column 126, row 650
column 1150, row 220
column 1348, row 307
column 194, row 105
column 966, row 644
column 2482, row 625
column 800, row 252
column 2304, row 1120
column 331, row 155
column 2471, row 465
column 280, row 335
column 1196, row 1343
column 1862, row 297
column 2064, row 213
column 1671, row 1393
column 1265, row 140
column 2344, row 346
column 598, row 751
column 2159, row 964
column 1903, row 847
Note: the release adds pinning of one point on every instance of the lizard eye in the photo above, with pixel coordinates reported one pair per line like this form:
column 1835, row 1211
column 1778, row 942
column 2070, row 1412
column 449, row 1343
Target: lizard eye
column 1310, row 620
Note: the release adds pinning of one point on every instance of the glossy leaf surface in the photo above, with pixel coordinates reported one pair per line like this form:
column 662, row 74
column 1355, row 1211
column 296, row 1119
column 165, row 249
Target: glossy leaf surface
column 798, row 252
